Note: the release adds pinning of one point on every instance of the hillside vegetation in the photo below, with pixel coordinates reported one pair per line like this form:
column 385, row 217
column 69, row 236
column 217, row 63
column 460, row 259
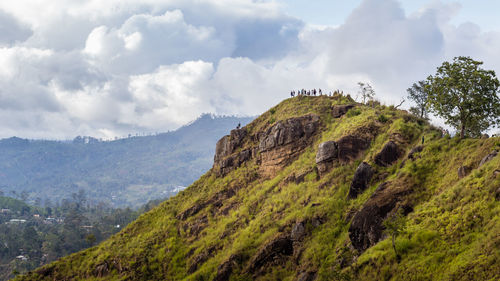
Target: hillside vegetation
column 125, row 173
column 302, row 193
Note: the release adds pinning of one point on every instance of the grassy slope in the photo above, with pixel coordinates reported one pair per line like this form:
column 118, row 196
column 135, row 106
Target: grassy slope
column 453, row 234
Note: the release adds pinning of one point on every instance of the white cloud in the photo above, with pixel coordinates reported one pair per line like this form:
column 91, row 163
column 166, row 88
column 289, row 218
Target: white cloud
column 107, row 68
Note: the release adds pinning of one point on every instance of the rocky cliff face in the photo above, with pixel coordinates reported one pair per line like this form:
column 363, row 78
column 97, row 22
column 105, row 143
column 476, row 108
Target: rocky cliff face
column 276, row 146
column 283, row 142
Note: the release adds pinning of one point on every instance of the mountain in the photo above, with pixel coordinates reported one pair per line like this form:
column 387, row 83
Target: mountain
column 318, row 188
column 124, row 172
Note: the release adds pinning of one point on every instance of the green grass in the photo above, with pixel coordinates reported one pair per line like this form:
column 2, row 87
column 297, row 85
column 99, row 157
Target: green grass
column 451, row 235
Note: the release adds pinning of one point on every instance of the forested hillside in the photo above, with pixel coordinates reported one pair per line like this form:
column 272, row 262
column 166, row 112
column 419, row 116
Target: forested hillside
column 32, row 236
column 124, row 172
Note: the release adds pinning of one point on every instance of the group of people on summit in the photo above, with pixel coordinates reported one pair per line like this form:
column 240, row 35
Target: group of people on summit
column 312, row 92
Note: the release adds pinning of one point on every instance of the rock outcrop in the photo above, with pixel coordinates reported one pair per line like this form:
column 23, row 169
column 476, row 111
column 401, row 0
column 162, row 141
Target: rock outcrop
column 298, row 232
column 361, row 180
column 351, row 146
column 224, row 161
column 200, row 259
column 327, row 153
column 463, row 171
column 278, row 145
column 488, row 158
column 389, row 154
column 284, row 141
column 414, row 151
column 340, row 110
column 366, row 228
column 271, row 252
column 307, row 276
column 226, row 268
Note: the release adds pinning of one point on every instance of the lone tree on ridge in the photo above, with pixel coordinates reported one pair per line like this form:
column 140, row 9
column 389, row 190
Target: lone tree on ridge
column 465, row 95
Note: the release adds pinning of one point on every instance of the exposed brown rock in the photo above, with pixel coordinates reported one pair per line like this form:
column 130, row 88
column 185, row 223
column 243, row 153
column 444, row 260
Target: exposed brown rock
column 226, row 268
column 45, row 271
column 298, row 232
column 414, row 151
column 228, row 144
column 195, row 227
column 271, row 252
column 327, row 153
column 306, row 276
column 191, row 210
column 224, row 161
column 351, row 146
column 488, row 158
column 340, row 110
column 366, row 228
column 284, row 141
column 463, row 171
column 200, row 259
column 296, row 177
column 217, row 200
column 361, row 180
column 388, row 155
column 101, row 270
column 412, row 155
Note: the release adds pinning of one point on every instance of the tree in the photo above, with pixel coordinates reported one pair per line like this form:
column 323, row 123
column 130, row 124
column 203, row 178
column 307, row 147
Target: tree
column 366, row 91
column 394, row 226
column 418, row 93
column 465, row 95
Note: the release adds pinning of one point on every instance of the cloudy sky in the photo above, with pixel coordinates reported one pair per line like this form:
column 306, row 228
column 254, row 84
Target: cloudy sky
column 110, row 68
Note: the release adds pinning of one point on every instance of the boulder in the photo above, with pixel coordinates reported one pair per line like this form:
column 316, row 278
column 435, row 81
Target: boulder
column 366, row 227
column 463, row 171
column 388, row 155
column 488, row 158
column 361, row 179
column 306, row 276
column 415, row 150
column 326, row 155
column 272, row 251
column 339, row 110
column 327, row 151
column 351, row 146
column 298, row 232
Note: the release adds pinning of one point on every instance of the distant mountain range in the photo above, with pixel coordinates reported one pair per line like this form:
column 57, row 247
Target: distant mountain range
column 124, row 172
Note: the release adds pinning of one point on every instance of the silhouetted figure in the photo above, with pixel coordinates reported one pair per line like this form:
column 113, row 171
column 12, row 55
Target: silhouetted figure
column 423, row 139
column 320, row 93
column 239, row 126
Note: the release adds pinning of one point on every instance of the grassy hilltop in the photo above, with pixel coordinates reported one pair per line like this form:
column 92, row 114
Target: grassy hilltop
column 247, row 220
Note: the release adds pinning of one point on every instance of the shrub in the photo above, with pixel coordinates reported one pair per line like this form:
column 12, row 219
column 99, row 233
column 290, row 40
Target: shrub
column 353, row 112
column 382, row 118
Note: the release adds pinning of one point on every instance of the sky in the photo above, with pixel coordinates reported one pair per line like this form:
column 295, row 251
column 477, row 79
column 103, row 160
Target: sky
column 111, row 68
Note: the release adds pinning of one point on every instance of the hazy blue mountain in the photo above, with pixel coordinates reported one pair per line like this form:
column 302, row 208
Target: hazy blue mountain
column 124, row 172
